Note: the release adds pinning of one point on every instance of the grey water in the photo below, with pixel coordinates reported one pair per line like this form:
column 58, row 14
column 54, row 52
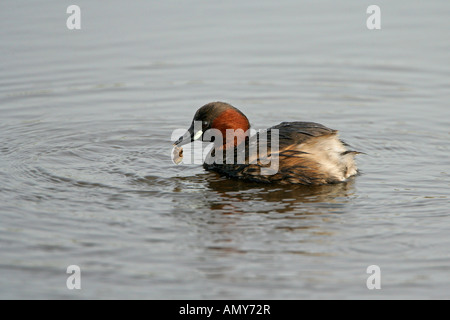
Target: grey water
column 86, row 176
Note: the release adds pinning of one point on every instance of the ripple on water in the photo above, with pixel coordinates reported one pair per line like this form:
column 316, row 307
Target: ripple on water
column 44, row 159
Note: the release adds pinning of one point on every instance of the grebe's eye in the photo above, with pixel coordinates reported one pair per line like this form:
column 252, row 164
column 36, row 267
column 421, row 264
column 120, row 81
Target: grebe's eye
column 205, row 123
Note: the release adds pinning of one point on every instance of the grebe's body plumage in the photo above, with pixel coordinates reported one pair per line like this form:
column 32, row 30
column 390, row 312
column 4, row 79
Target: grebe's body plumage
column 307, row 152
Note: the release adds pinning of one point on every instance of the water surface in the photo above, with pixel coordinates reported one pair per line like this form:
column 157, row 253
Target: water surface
column 86, row 175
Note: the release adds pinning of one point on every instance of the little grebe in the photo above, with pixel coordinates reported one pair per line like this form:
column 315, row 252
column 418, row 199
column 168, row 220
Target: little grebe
column 305, row 152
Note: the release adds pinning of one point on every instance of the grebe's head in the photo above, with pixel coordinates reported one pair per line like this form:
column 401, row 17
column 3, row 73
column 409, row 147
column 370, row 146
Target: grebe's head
column 220, row 116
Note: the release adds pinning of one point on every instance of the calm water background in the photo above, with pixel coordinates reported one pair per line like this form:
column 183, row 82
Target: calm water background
column 86, row 178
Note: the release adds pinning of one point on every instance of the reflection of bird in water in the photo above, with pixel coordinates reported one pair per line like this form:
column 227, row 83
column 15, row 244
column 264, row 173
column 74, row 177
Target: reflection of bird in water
column 226, row 211
column 244, row 196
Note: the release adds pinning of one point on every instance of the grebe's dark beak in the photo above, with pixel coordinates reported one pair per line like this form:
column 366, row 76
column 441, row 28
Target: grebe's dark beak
column 184, row 139
column 188, row 137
